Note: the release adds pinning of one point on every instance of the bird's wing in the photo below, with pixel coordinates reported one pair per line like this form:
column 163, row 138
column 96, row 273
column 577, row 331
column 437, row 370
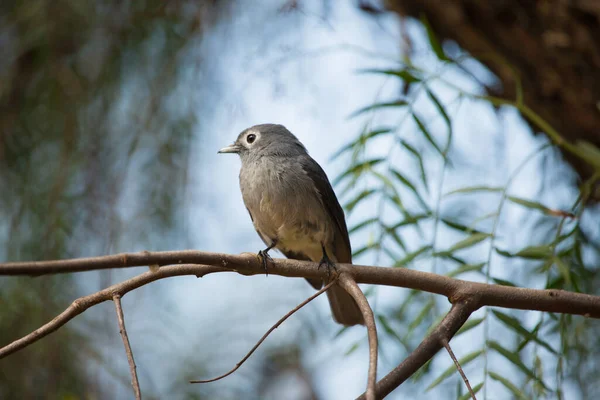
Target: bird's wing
column 267, row 240
column 343, row 251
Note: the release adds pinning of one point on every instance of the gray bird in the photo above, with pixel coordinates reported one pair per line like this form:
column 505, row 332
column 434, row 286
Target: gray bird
column 293, row 207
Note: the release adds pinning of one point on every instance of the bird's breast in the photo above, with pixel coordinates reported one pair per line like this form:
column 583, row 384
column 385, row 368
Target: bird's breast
column 285, row 206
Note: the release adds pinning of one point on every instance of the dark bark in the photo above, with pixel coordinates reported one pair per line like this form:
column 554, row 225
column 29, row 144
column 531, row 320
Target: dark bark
column 553, row 45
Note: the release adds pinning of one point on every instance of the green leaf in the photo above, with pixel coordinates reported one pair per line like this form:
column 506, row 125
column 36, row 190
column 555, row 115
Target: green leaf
column 419, row 158
column 443, row 113
column 420, row 317
column 358, row 198
column 589, row 152
column 507, row 384
column 357, row 169
column 530, row 252
column 514, row 324
column 389, row 104
column 514, row 358
column 470, row 324
column 503, row 282
column 440, row 108
column 465, row 243
column 465, row 268
column 538, row 206
column 564, row 270
column 476, row 389
column 410, row 220
column 451, row 370
column 352, row 349
column 405, row 74
column 427, row 135
column 363, row 224
column 370, row 246
column 389, row 330
column 396, row 237
column 433, row 41
column 475, row 189
column 411, row 256
column 460, row 227
column 361, row 140
column 411, row 186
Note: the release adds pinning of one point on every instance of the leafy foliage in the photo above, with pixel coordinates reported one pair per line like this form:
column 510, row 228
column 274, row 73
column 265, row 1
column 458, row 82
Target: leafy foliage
column 409, row 207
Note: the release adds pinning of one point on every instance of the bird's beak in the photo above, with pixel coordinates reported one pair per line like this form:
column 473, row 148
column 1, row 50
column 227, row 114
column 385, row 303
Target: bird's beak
column 234, row 148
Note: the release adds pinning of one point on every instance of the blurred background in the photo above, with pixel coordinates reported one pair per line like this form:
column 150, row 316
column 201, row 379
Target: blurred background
column 428, row 117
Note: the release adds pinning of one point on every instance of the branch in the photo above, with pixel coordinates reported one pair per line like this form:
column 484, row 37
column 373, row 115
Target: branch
column 466, row 296
column 262, row 339
column 134, row 378
column 83, row 303
column 352, row 288
column 557, row 301
column 456, row 317
column 446, row 344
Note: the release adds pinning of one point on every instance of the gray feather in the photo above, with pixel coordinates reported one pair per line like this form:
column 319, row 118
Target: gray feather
column 292, row 204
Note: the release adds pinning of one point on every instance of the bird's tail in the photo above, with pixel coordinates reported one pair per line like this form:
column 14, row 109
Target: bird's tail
column 343, row 307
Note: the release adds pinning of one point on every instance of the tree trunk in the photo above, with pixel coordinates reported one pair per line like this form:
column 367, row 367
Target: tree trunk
column 554, row 46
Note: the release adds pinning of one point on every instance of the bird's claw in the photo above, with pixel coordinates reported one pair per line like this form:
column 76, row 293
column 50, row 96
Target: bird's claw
column 325, row 261
column 264, row 257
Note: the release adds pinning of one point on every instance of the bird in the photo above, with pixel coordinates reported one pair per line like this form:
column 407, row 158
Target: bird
column 294, row 208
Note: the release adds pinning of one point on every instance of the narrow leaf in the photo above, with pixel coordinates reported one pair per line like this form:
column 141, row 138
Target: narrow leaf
column 442, row 111
column 358, row 198
column 503, row 282
column 460, row 227
column 433, row 41
column 476, row 389
column 410, row 220
column 470, row 324
column 362, row 225
column 389, row 330
column 411, row 256
column 514, row 358
column 451, row 370
column 564, row 270
column 465, row 268
column 475, row 189
column 589, row 152
column 352, row 349
column 389, row 104
column 371, row 246
column 538, row 206
column 420, row 317
column 465, row 243
column 396, row 237
column 405, row 74
column 419, row 158
column 530, row 252
column 361, row 141
column 515, row 325
column 404, row 180
column 507, row 384
column 357, row 169
column 427, row 135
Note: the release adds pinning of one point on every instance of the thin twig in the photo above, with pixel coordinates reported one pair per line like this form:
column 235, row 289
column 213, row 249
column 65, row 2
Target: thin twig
column 262, row 339
column 83, row 303
column 446, row 344
column 349, row 284
column 134, row 378
column 456, row 317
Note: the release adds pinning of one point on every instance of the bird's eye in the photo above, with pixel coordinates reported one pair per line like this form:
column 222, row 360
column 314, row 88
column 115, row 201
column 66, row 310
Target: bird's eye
column 251, row 138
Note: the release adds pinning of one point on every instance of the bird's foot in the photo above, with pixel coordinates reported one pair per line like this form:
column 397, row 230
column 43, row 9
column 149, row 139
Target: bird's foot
column 325, row 261
column 264, row 257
